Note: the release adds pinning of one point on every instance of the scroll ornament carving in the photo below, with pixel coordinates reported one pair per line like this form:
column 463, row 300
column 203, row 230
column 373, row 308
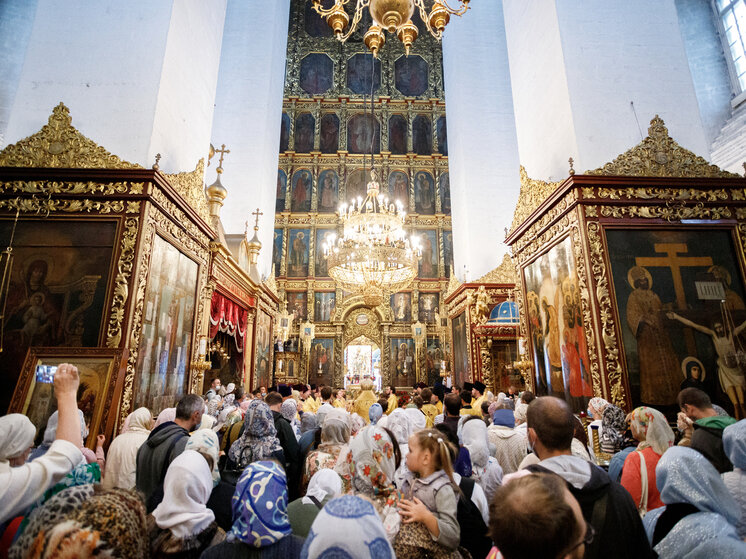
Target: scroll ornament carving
column 532, row 194
column 672, row 194
column 121, row 282
column 668, row 212
column 453, row 284
column 59, row 144
column 371, row 329
column 46, row 205
column 90, row 187
column 658, row 155
column 504, row 273
column 190, row 185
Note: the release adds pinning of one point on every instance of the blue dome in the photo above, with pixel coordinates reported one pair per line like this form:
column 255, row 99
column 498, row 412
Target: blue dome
column 504, row 313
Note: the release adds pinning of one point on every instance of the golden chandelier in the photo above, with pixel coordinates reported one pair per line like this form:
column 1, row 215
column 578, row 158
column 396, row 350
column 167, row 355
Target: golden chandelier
column 394, row 16
column 374, row 257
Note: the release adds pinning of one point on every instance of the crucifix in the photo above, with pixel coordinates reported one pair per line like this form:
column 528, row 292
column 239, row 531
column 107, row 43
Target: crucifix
column 673, row 259
column 222, row 151
column 257, row 213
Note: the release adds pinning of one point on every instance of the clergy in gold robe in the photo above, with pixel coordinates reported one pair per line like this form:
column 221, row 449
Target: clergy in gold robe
column 393, row 401
column 339, row 399
column 428, row 408
column 477, row 394
column 310, row 404
column 364, row 400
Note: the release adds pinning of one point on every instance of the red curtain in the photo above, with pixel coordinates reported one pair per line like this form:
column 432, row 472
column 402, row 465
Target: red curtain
column 229, row 317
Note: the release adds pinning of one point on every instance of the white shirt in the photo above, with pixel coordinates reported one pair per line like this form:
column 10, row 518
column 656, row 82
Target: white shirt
column 20, row 487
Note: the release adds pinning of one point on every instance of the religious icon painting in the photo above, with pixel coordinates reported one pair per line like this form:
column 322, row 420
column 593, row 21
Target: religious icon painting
column 363, row 132
column 298, row 305
column 411, row 75
column 427, row 307
column 444, row 189
column 282, row 183
column 356, row 186
column 428, row 265
column 297, row 264
column 460, row 350
column 300, row 196
column 316, row 73
column 448, row 252
column 398, row 135
column 402, row 361
column 433, row 360
column 399, row 188
column 556, row 328
column 424, row 193
column 57, row 288
column 323, row 236
column 442, row 133
column 321, row 366
column 328, row 189
column 680, row 300
column 323, row 306
column 329, row 140
column 284, row 133
column 360, row 68
column 263, row 358
column 277, row 250
column 422, row 135
column 304, row 130
column 401, row 304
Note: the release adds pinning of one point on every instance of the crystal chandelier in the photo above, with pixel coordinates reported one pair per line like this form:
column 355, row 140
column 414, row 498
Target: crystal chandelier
column 374, row 257
column 394, row 16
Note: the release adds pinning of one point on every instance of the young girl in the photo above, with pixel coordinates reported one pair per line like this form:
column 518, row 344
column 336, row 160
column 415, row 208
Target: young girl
column 429, row 519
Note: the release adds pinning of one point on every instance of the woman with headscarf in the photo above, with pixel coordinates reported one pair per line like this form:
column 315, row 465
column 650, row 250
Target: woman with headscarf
column 261, row 527
column 259, row 440
column 400, row 425
column 182, row 525
column 348, row 525
column 50, row 434
column 324, row 486
column 335, row 435
column 166, row 415
column 373, row 462
column 486, row 471
column 699, row 516
column 596, row 407
column 289, row 411
column 123, row 450
column 613, row 426
column 734, row 446
column 84, row 521
column 511, row 445
column 651, row 429
column 374, row 413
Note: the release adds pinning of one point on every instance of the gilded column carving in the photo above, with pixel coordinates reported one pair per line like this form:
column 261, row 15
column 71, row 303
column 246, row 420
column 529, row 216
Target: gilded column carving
column 317, row 125
column 128, row 251
column 343, row 127
column 410, row 123
column 291, row 135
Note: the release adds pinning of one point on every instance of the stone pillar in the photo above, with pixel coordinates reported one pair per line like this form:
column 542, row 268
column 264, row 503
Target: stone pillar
column 248, row 111
column 483, row 159
column 588, row 78
column 139, row 77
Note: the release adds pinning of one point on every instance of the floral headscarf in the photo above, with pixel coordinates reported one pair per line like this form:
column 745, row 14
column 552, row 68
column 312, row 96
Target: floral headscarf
column 658, row 434
column 373, row 465
column 260, row 505
column 598, row 404
column 259, row 440
column 205, row 441
column 375, row 412
column 613, row 426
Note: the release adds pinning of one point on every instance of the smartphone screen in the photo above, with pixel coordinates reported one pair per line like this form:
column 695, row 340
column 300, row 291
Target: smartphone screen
column 45, row 373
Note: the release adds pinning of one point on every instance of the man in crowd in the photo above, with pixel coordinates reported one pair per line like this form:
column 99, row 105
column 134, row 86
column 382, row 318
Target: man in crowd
column 393, row 402
column 606, row 505
column 288, row 442
column 428, row 408
column 708, row 427
column 477, row 395
column 452, row 411
column 339, row 399
column 165, row 443
column 215, row 387
column 285, row 391
column 466, row 408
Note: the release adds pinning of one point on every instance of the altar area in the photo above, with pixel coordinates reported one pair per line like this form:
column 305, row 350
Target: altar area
column 362, row 361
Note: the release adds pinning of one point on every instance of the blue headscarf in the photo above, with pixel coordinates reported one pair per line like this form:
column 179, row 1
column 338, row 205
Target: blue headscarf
column 504, row 418
column 260, row 505
column 683, row 475
column 374, row 413
column 347, row 527
column 734, row 444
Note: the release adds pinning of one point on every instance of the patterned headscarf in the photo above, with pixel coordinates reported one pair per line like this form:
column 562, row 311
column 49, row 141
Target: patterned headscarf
column 308, row 422
column 347, row 527
column 205, row 441
column 81, row 522
column 259, row 439
column 613, row 426
column 658, row 434
column 520, row 412
column 260, row 505
column 289, row 410
column 373, row 464
column 734, row 444
column 356, row 423
column 598, row 404
column 375, row 412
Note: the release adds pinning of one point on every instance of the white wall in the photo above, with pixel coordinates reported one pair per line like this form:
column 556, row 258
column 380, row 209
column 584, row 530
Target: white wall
column 248, row 109
column 136, row 75
column 483, row 157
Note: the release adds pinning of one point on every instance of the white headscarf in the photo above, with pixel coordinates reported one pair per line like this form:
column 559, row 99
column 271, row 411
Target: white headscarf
column 324, row 482
column 50, row 433
column 418, row 419
column 16, row 435
column 400, row 425
column 169, row 414
column 474, row 438
column 186, row 489
column 139, row 420
column 205, row 441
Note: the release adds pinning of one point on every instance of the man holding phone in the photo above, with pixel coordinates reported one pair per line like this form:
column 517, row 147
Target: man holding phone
column 23, row 485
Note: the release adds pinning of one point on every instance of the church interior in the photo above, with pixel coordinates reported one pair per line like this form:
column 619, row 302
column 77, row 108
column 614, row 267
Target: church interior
column 542, row 196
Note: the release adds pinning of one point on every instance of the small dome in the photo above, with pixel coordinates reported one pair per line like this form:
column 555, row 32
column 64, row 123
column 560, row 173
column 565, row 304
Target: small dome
column 504, row 313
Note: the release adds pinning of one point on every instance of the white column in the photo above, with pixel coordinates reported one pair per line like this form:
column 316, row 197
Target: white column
column 248, row 111
column 139, row 77
column 483, row 157
column 575, row 69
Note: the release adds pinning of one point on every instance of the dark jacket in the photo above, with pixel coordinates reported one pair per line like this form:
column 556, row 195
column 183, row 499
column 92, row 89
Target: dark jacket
column 288, row 547
column 291, row 450
column 609, row 508
column 164, row 444
column 708, row 440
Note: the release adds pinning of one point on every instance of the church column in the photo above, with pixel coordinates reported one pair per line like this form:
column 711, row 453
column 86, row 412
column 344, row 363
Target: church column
column 588, row 78
column 483, row 160
column 139, row 77
column 248, row 111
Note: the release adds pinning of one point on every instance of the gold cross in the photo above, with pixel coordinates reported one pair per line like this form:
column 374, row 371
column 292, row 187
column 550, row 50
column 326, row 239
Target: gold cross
column 222, row 151
column 257, row 213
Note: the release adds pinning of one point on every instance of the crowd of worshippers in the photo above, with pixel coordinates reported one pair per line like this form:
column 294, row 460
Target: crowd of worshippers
column 305, row 471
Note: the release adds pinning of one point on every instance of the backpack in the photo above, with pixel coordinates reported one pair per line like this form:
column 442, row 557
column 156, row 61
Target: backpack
column 473, row 529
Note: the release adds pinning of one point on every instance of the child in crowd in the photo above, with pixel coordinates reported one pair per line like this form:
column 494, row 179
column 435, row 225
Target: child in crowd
column 429, row 512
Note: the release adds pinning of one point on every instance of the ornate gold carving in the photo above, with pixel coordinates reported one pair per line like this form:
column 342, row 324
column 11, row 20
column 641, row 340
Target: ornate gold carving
column 504, row 273
column 271, row 284
column 121, row 282
column 371, row 329
column 59, row 144
column 344, row 306
column 453, row 284
column 47, row 205
column 532, row 195
column 191, row 187
column 671, row 194
column 658, row 155
column 179, row 225
column 49, row 188
column 667, row 212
